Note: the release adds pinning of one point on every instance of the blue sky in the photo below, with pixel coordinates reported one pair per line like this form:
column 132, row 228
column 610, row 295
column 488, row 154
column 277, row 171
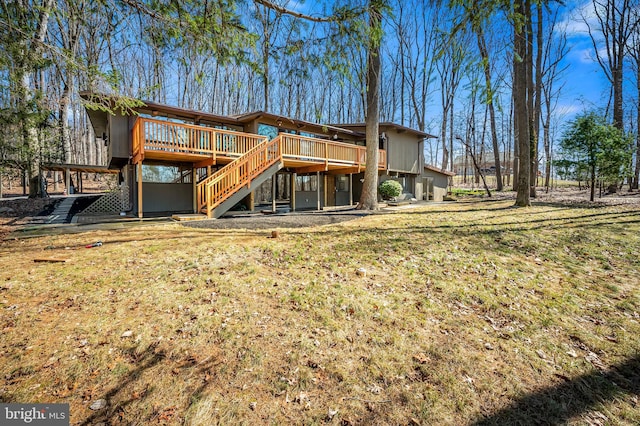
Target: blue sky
column 585, row 86
column 585, row 82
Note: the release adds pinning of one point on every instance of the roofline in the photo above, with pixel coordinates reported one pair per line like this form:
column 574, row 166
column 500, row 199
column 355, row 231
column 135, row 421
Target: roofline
column 190, row 112
column 83, row 168
column 439, row 170
column 168, row 108
column 333, row 128
column 393, row 126
column 237, row 119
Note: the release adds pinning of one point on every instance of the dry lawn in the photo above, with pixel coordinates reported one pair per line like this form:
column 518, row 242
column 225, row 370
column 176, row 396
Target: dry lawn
column 468, row 313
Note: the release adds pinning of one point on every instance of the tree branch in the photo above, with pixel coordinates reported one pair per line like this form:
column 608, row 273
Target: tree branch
column 280, row 9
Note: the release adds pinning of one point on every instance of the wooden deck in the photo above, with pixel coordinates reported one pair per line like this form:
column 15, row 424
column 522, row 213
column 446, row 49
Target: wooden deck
column 246, row 157
column 204, row 146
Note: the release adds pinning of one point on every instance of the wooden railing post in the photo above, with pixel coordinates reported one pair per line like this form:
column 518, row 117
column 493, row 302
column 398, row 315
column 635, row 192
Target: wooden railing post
column 326, row 154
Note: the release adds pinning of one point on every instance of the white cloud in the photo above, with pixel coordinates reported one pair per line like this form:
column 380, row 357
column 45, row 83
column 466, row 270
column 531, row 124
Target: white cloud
column 588, row 56
column 570, row 109
column 578, row 18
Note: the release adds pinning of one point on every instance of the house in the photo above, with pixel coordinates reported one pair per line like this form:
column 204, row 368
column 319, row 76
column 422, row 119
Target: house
column 178, row 160
column 405, row 154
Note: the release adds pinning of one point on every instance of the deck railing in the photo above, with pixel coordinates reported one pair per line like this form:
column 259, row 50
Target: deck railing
column 318, row 150
column 215, row 189
column 164, row 136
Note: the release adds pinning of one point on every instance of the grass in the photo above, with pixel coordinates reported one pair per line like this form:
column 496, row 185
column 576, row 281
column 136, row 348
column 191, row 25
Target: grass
column 459, row 192
column 469, row 313
column 458, row 181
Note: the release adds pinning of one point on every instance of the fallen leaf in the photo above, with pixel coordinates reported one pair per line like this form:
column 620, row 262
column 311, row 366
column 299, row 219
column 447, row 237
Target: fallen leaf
column 98, row 404
column 421, row 358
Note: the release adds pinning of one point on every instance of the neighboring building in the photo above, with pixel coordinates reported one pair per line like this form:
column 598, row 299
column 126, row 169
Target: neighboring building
column 486, row 163
column 174, row 160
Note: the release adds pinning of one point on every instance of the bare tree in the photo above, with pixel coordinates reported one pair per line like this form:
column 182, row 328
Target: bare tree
column 449, row 65
column 520, row 101
column 27, row 29
column 555, row 49
column 489, row 93
column 616, row 22
column 369, row 196
column 634, row 53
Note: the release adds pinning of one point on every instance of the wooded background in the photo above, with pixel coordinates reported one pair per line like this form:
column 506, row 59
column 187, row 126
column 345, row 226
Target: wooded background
column 470, row 72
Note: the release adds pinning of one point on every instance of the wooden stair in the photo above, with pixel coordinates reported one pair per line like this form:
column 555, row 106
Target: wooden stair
column 225, row 188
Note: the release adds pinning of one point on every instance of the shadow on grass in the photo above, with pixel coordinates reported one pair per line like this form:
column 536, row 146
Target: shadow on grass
column 120, row 396
column 146, row 360
column 468, row 228
column 558, row 404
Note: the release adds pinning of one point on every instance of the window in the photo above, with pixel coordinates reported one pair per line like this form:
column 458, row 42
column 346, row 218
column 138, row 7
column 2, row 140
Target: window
column 266, row 130
column 307, row 183
column 342, row 184
column 167, row 119
column 165, row 174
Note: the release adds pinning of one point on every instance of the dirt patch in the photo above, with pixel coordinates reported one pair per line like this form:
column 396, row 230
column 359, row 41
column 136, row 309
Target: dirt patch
column 288, row 220
column 17, row 212
column 24, row 207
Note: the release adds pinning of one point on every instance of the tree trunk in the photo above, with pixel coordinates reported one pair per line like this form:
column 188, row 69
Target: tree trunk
column 547, row 153
column 25, row 76
column 537, row 97
column 617, row 75
column 482, row 46
column 65, row 104
column 516, row 146
column 451, row 133
column 443, row 131
column 369, row 197
column 636, row 173
column 521, row 113
column 528, row 60
column 593, row 181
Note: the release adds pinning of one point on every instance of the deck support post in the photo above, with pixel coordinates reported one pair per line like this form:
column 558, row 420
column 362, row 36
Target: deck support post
column 139, row 177
column 194, row 182
column 351, row 189
column 326, row 191
column 318, row 189
column 67, row 180
column 273, row 193
column 292, row 191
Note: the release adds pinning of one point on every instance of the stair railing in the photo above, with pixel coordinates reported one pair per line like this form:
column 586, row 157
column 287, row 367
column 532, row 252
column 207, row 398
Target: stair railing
column 221, row 185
